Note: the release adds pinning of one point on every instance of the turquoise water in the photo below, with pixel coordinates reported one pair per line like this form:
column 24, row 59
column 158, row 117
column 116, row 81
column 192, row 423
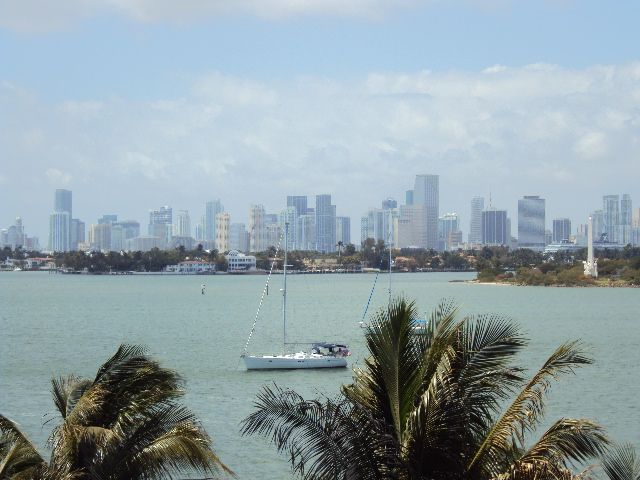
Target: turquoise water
column 54, row 325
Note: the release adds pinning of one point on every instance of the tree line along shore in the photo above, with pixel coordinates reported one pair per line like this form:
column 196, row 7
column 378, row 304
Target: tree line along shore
column 492, row 264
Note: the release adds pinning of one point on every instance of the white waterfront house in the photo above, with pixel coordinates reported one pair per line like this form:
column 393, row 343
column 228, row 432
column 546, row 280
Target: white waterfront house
column 239, row 262
column 192, row 267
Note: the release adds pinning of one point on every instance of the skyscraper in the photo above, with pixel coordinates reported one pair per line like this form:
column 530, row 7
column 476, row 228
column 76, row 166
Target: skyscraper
column 161, row 225
column 626, row 214
column 561, row 230
column 238, row 237
column 475, row 226
column 223, row 221
column 494, row 227
column 325, row 224
column 448, row 225
column 60, row 222
column 426, row 192
column 343, row 230
column 611, row 217
column 183, row 224
column 289, row 215
column 531, row 222
column 257, row 233
column 212, row 208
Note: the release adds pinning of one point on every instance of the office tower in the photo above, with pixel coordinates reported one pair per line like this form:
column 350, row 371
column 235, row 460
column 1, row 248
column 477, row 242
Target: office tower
column 626, row 220
column 343, row 230
column 183, row 224
column 59, row 232
column 77, row 233
column 475, row 226
column 411, row 227
column 495, row 229
column 531, row 222
column 408, row 197
column 161, row 225
column 378, row 224
column 561, row 230
column 299, row 203
column 199, row 231
column 325, row 224
column 15, row 236
column 63, row 202
column 597, row 221
column 212, row 208
column 448, row 229
column 223, row 221
column 611, row 217
column 238, row 237
column 426, row 192
column 257, row 234
column 60, row 240
column 100, row 237
column 306, row 228
column 289, row 215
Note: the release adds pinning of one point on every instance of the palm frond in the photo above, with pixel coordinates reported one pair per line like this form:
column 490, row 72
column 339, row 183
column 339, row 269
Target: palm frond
column 621, row 463
column 323, row 440
column 18, row 456
column 527, row 409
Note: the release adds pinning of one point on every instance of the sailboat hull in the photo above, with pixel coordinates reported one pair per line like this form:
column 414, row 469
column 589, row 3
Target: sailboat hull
column 293, row 362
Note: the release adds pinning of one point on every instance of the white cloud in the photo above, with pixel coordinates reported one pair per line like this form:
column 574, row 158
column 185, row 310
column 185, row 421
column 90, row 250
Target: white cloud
column 58, row 177
column 557, row 131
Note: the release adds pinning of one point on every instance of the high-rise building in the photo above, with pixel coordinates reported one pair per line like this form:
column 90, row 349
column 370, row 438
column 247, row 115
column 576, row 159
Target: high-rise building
column 561, row 230
column 77, row 233
column 15, row 236
column 108, row 219
column 63, row 201
column 597, row 222
column 223, row 222
column 626, row 219
column 299, row 204
column 426, row 192
column 475, row 226
column 257, row 232
column 60, row 240
column 531, row 222
column 495, row 231
column 343, row 230
column 389, row 204
column 238, row 237
column 289, row 216
column 448, row 231
column 100, row 237
column 212, row 208
column 408, row 197
column 306, row 228
column 325, row 224
column 161, row 225
column 183, row 224
column 611, row 217
column 636, row 217
column 411, row 228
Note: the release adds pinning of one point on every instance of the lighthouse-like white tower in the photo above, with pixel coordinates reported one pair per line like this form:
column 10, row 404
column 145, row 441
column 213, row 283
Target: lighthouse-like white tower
column 591, row 265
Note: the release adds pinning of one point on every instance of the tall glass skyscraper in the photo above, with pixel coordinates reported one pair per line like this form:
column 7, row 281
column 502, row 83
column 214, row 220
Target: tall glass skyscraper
column 475, row 226
column 561, row 229
column 611, row 217
column 626, row 210
column 531, row 222
column 60, row 222
column 325, row 224
column 495, row 227
column 426, row 192
column 212, row 208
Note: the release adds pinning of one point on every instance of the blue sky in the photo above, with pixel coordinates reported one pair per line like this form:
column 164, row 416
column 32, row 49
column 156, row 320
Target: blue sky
column 136, row 104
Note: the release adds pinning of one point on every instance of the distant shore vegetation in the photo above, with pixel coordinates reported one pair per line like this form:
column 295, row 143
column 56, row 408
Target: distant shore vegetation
column 492, row 264
column 616, row 268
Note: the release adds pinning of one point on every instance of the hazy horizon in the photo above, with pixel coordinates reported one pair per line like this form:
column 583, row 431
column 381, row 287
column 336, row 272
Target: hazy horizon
column 134, row 105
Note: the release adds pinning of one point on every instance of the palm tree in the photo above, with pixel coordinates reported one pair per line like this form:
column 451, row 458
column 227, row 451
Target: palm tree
column 126, row 423
column 428, row 405
column 621, row 463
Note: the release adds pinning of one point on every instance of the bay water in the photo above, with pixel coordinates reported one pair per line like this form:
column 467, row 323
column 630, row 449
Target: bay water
column 53, row 325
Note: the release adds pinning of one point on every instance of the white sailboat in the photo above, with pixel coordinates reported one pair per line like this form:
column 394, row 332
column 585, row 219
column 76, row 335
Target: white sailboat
column 322, row 354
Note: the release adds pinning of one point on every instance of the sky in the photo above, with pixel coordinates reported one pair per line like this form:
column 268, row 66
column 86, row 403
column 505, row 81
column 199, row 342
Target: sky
column 135, row 104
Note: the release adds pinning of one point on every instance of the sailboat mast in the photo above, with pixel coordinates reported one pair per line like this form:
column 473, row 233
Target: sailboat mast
column 284, row 289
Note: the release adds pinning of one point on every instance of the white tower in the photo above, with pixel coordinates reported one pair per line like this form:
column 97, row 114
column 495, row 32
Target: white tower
column 591, row 265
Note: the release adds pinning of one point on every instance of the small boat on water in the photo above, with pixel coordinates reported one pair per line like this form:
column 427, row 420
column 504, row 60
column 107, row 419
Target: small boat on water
column 321, row 354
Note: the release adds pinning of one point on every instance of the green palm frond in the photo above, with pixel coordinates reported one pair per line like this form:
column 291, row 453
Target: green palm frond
column 621, row 463
column 324, row 440
column 18, row 456
column 527, row 409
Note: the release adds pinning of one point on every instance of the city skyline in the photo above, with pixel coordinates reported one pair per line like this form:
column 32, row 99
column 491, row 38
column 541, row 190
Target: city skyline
column 408, row 224
column 132, row 107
